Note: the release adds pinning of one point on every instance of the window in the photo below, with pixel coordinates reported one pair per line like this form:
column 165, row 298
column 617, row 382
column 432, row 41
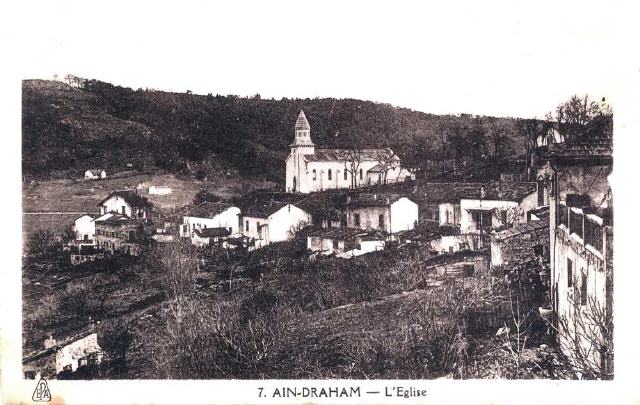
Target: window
column 329, row 174
column 314, row 174
column 86, row 237
column 563, row 215
column 344, row 173
column 123, row 207
column 593, row 234
column 583, row 288
column 569, row 273
column 575, row 223
column 356, row 219
column 246, row 226
column 381, row 221
column 335, row 244
column 541, row 192
column 257, row 226
column 360, row 174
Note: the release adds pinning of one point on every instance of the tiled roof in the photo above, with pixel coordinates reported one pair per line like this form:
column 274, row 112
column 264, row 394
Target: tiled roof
column 212, row 232
column 453, row 192
column 521, row 229
column 336, row 233
column 261, row 203
column 207, row 209
column 579, row 151
column 331, row 155
column 373, row 199
column 302, row 123
column 263, row 209
column 130, row 196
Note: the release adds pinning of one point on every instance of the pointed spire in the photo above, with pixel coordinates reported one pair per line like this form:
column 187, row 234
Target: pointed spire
column 301, row 123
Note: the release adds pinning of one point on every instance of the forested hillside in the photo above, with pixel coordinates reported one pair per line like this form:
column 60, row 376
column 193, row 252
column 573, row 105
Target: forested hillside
column 92, row 123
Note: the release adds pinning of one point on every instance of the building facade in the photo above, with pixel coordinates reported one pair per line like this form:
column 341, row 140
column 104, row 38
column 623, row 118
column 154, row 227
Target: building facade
column 127, row 203
column 382, row 212
column 581, row 250
column 311, row 169
column 211, row 215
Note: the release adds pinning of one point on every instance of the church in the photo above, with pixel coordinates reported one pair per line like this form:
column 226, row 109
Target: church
column 312, row 169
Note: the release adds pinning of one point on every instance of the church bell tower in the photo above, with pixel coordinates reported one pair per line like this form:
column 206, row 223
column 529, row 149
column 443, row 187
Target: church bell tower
column 302, row 145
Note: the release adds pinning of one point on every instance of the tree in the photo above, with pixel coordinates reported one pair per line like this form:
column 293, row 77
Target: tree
column 573, row 116
column 353, row 159
column 387, row 160
column 41, row 242
column 585, row 334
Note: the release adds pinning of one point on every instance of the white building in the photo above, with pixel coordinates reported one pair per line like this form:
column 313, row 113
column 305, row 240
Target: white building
column 211, row 215
column 85, row 228
column 389, row 213
column 95, row 174
column 81, row 352
column 484, row 214
column 127, row 203
column 160, row 190
column 273, row 222
column 311, row 169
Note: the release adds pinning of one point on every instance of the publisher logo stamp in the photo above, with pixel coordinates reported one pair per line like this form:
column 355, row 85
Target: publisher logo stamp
column 41, row 393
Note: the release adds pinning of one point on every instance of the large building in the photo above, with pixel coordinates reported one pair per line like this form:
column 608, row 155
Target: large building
column 574, row 176
column 314, row 169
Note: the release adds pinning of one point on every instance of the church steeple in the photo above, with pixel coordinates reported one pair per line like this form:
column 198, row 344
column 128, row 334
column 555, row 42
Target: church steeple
column 302, row 131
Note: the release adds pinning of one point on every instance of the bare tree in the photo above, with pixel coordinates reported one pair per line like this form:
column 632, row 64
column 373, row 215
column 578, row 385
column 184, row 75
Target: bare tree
column 387, row 160
column 576, row 113
column 353, row 159
column 585, row 334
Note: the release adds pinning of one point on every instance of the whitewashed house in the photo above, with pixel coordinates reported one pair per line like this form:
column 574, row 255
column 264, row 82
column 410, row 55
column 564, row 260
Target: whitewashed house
column 311, row 169
column 389, row 213
column 211, row 215
column 127, row 203
column 80, row 352
column 95, row 174
column 272, row 222
column 497, row 208
column 85, row 229
column 160, row 190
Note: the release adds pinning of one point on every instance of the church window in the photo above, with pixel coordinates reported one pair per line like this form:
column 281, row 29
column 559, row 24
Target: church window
column 246, row 226
column 356, row 219
column 329, row 174
column 345, row 174
column 314, row 174
column 381, row 221
column 360, row 174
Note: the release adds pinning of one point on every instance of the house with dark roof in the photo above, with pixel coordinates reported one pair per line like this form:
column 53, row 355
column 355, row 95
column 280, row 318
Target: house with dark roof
column 210, row 215
column 311, row 169
column 269, row 221
column 390, row 213
column 127, row 203
column 117, row 233
column 63, row 356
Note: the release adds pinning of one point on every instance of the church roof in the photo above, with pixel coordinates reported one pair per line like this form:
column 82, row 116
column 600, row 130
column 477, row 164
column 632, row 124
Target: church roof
column 329, row 155
column 302, row 123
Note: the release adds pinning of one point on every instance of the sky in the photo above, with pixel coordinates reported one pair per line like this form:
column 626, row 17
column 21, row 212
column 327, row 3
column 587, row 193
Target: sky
column 502, row 58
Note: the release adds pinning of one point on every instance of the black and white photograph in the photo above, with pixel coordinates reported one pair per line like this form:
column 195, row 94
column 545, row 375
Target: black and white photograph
column 312, row 192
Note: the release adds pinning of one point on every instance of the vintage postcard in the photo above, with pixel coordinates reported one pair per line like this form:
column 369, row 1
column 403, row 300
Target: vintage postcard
column 312, row 202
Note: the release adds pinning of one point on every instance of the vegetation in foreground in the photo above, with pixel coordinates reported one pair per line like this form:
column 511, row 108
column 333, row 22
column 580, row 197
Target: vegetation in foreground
column 184, row 312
